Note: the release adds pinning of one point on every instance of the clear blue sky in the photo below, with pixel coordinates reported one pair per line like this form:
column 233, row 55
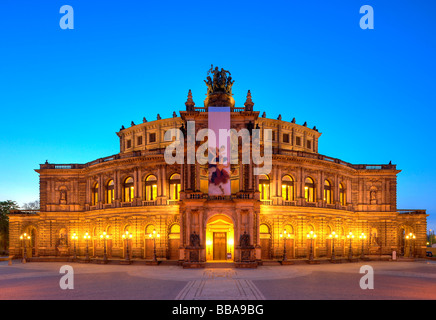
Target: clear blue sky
column 64, row 93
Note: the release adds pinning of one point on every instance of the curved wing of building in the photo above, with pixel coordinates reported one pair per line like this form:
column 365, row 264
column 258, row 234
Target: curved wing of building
column 306, row 205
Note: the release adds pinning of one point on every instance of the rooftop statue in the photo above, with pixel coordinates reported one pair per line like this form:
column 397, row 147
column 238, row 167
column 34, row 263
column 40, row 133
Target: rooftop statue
column 220, row 82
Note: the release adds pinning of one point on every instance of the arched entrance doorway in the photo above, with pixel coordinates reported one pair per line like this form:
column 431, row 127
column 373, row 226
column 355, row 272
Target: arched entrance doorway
column 29, row 242
column 174, row 242
column 220, row 239
column 265, row 242
column 149, row 244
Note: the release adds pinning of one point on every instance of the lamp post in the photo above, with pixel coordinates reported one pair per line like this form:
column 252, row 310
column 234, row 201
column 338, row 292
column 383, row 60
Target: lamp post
column 285, row 235
column 350, row 251
column 311, row 236
column 362, row 237
column 104, row 237
column 74, row 237
column 410, row 237
column 87, row 237
column 23, row 239
column 153, row 236
column 333, row 236
column 127, row 236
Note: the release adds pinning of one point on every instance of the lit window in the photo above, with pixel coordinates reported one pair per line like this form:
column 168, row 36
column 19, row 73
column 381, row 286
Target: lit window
column 110, row 196
column 264, row 187
column 327, row 192
column 287, row 188
column 342, row 195
column 175, row 187
column 309, row 190
column 150, row 187
column 95, row 194
column 128, row 190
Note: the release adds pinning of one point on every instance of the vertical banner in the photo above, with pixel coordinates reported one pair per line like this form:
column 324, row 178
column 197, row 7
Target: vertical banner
column 219, row 150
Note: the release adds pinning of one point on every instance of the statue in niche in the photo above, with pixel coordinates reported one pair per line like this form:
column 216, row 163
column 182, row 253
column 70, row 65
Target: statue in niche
column 195, row 240
column 63, row 238
column 244, row 240
column 63, row 198
column 373, row 196
column 374, row 241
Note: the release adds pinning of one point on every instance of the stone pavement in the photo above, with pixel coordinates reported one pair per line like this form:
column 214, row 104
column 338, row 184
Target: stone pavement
column 392, row 280
column 220, row 284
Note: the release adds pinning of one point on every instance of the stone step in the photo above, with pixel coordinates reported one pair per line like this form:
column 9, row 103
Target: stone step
column 220, row 265
column 270, row 263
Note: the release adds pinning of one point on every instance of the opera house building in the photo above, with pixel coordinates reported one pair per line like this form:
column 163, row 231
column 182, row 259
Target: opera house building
column 137, row 205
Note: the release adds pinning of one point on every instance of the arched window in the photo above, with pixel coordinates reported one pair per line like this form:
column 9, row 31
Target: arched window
column 150, row 188
column 175, row 187
column 309, row 190
column 95, row 194
column 110, row 194
column 328, row 192
column 342, row 195
column 264, row 187
column 128, row 189
column 288, row 188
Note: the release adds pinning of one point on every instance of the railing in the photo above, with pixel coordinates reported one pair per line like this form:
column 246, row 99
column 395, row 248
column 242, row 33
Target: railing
column 244, row 195
column 304, row 154
column 411, row 211
column 232, row 109
column 126, row 204
column 289, row 203
column 149, row 203
column 24, row 211
column 197, row 195
column 172, row 202
column 219, row 198
column 102, row 160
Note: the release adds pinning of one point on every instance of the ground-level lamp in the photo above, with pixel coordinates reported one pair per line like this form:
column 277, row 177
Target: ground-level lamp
column 153, row 236
column 74, row 237
column 127, row 236
column 285, row 235
column 311, row 236
column 104, row 237
column 410, row 237
column 86, row 237
column 362, row 237
column 350, row 236
column 23, row 239
column 333, row 236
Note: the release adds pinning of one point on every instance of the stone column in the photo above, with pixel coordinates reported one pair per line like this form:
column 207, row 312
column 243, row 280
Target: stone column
column 100, row 192
column 164, row 181
column 189, row 185
column 140, row 186
column 241, row 176
column 118, row 188
column 273, row 184
column 197, row 177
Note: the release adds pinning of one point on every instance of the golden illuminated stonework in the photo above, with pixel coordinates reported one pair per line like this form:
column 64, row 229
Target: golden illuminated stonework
column 169, row 217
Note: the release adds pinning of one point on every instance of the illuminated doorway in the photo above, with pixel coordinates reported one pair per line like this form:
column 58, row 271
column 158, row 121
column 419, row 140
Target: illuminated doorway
column 219, row 239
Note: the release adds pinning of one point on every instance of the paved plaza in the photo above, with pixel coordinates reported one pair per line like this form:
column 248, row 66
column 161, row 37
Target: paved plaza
column 392, row 280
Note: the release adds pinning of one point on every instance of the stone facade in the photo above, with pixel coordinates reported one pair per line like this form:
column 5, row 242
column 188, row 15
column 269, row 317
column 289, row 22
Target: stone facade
column 137, row 191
